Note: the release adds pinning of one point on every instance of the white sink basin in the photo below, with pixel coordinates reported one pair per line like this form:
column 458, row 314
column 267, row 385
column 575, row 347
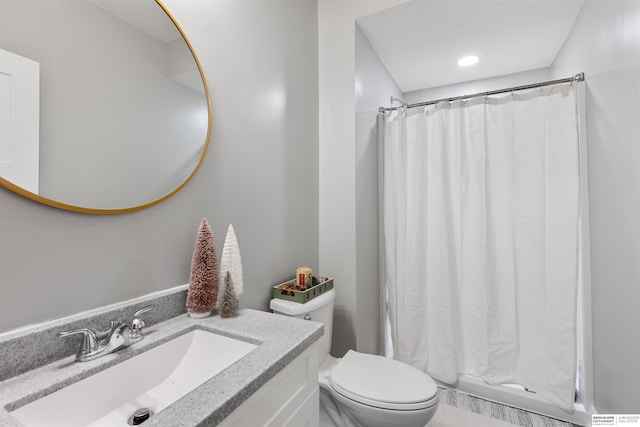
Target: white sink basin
column 153, row 379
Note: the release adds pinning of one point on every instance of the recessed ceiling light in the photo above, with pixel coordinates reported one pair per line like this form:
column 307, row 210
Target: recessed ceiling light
column 465, row 61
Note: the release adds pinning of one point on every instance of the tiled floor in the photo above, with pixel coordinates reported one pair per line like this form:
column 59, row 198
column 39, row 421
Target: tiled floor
column 501, row 413
column 462, row 410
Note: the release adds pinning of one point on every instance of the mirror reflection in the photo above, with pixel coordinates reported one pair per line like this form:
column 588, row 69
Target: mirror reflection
column 102, row 102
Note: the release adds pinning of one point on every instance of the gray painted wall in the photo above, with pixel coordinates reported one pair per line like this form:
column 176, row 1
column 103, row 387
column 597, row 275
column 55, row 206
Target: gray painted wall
column 261, row 174
column 374, row 86
column 605, row 44
column 337, row 166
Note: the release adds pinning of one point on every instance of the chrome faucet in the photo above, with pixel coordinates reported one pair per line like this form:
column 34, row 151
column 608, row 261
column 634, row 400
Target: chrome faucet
column 119, row 336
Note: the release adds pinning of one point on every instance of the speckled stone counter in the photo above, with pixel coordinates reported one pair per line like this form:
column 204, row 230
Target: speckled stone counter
column 280, row 340
column 34, row 346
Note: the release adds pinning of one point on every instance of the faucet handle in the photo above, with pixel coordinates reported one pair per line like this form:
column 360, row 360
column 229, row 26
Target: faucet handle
column 137, row 323
column 90, row 342
column 144, row 310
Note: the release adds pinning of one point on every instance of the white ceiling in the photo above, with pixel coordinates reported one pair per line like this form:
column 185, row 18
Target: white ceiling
column 147, row 16
column 420, row 41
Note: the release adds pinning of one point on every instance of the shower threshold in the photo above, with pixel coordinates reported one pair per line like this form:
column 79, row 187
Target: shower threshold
column 516, row 396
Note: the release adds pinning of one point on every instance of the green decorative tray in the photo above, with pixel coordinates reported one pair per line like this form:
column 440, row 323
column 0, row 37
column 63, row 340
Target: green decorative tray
column 289, row 291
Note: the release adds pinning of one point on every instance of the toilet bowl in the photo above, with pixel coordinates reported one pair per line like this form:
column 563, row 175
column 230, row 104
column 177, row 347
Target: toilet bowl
column 364, row 390
column 373, row 391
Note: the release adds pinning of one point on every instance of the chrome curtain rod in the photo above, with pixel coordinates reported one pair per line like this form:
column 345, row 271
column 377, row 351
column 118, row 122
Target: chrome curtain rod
column 577, row 78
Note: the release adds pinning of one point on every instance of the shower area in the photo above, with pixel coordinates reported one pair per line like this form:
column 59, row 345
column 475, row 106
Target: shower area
column 483, row 235
column 482, row 206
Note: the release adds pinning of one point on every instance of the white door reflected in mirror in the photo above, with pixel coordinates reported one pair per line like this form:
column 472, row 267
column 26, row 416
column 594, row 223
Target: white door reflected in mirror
column 19, row 120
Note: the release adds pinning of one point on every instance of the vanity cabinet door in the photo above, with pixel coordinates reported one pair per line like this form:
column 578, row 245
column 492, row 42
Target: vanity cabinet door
column 308, row 414
column 290, row 398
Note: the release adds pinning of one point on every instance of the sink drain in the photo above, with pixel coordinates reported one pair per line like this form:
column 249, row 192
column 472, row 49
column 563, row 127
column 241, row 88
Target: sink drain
column 140, row 416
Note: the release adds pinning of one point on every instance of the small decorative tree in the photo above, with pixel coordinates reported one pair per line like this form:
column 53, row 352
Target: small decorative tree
column 229, row 302
column 203, row 283
column 231, row 262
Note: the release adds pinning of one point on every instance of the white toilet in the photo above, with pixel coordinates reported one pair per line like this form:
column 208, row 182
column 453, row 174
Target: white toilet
column 364, row 390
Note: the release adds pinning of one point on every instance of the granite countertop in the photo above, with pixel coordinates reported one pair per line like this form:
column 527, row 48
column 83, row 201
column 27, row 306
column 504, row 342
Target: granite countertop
column 280, row 340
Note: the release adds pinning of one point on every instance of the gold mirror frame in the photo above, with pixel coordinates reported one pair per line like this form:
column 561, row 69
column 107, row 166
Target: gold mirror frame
column 50, row 202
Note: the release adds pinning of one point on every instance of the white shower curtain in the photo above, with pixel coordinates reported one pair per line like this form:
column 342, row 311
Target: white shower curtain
column 479, row 221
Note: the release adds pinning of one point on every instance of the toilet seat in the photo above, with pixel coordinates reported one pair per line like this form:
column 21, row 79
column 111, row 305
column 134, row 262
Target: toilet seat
column 382, row 382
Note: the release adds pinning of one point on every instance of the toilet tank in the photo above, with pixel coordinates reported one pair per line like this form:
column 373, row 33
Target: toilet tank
column 319, row 309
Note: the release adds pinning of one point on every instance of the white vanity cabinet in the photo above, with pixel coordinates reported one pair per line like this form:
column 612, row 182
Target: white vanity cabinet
column 289, row 399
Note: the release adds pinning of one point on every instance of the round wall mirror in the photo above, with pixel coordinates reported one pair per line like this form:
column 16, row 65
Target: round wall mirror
column 103, row 103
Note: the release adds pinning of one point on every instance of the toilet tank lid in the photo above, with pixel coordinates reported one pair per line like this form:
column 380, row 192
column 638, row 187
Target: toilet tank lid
column 291, row 308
